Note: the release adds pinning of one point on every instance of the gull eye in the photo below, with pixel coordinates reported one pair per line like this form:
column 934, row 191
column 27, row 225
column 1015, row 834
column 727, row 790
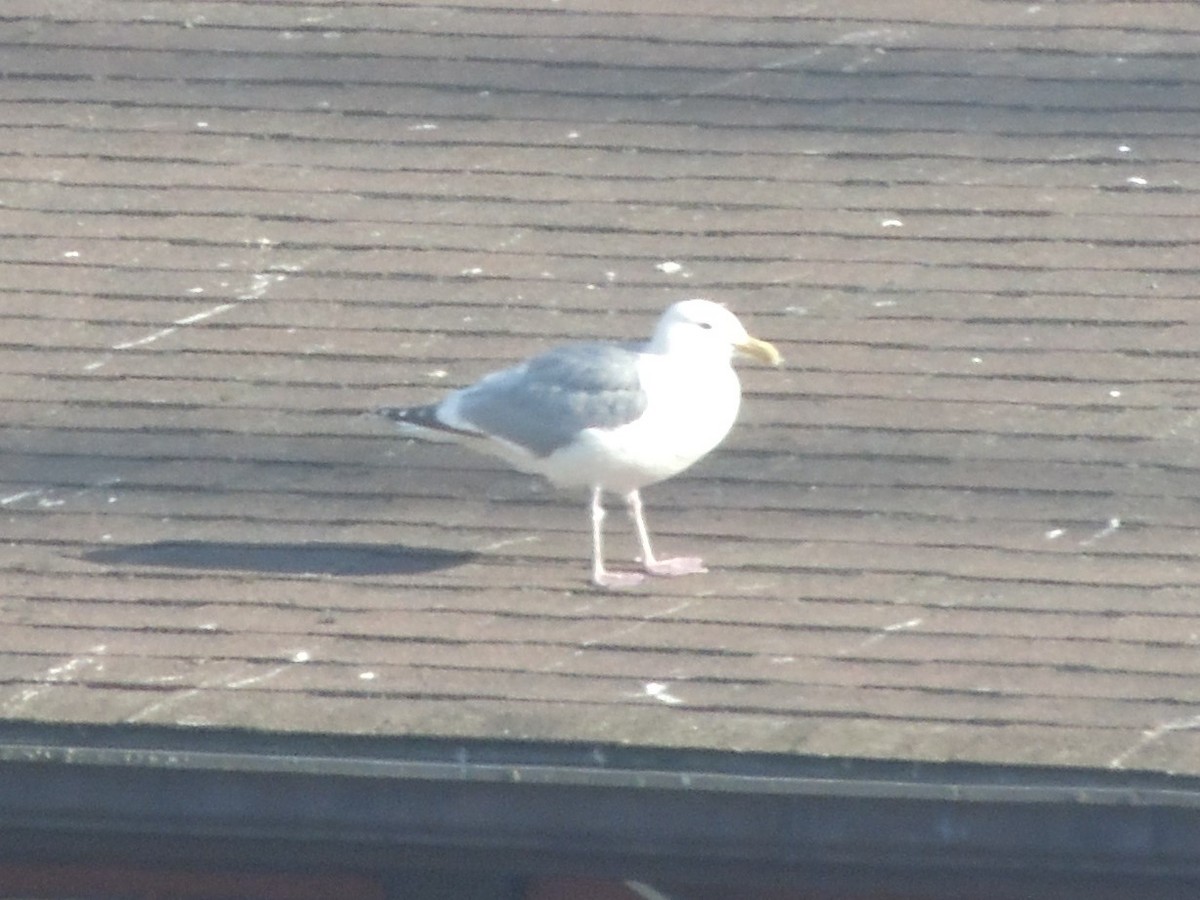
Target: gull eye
column 707, row 326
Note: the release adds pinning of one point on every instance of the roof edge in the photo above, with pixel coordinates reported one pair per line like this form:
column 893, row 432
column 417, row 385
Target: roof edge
column 589, row 808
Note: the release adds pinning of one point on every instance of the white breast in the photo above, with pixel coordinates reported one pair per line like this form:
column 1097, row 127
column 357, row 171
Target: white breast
column 691, row 408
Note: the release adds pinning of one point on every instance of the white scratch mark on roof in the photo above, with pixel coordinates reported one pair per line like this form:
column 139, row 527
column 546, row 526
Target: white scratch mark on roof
column 148, row 339
column 1111, row 528
column 23, row 495
column 640, row 623
column 46, row 495
column 299, row 656
column 659, row 692
column 263, row 280
column 894, row 628
column 259, row 283
column 206, row 314
column 258, row 679
column 151, row 708
column 903, row 626
column 174, row 327
column 161, row 679
column 508, row 542
column 871, row 36
column 646, row 892
column 1153, row 735
column 62, row 673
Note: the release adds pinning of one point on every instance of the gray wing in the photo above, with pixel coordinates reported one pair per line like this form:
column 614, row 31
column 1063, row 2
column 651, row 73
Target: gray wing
column 545, row 402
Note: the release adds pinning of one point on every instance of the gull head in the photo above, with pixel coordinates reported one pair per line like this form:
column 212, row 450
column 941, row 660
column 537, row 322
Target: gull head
column 709, row 329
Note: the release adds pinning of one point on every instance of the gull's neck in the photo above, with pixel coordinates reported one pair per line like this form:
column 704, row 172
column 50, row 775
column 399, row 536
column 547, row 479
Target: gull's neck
column 668, row 342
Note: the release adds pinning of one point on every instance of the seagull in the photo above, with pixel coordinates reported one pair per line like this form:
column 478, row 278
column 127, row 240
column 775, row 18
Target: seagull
column 607, row 416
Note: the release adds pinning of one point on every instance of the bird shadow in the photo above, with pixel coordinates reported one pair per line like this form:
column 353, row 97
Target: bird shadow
column 308, row 558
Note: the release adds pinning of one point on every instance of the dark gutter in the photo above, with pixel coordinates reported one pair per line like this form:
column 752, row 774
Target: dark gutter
column 380, row 804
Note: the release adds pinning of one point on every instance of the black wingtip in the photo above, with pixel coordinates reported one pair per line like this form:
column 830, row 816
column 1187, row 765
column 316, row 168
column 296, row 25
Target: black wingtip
column 422, row 417
column 392, row 413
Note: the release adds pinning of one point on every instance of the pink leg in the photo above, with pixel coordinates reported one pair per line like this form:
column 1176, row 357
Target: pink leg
column 601, row 577
column 680, row 565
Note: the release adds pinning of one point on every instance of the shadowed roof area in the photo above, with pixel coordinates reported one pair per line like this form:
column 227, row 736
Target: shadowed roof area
column 960, row 523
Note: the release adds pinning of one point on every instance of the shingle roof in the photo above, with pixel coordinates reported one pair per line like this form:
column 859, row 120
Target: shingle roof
column 961, row 524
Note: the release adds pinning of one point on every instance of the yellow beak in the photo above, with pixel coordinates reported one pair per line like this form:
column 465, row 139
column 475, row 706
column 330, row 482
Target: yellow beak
column 760, row 350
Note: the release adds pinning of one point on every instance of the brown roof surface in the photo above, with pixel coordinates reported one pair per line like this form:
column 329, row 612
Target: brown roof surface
column 961, row 523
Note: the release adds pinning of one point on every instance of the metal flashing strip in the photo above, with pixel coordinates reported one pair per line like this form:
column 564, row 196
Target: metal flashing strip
column 1091, row 788
column 527, row 807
